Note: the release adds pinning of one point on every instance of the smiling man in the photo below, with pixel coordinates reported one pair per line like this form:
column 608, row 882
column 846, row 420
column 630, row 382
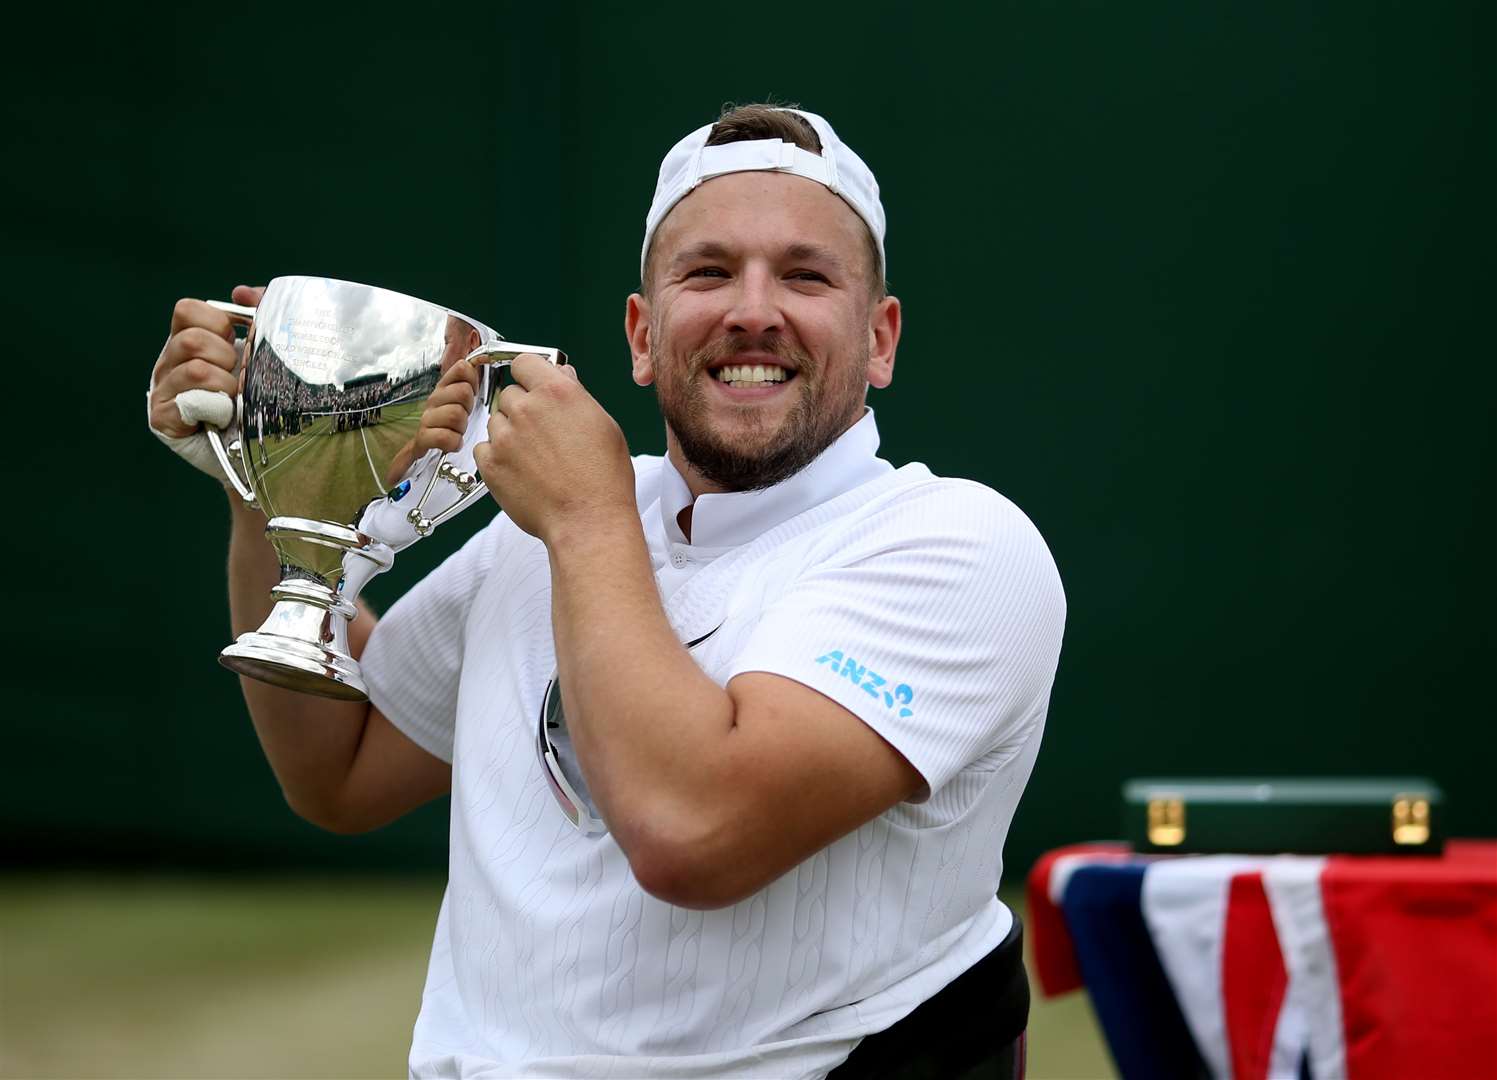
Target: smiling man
column 734, row 735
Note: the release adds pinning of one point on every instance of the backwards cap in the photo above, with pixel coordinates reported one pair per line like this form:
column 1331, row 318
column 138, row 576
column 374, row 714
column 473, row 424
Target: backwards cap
column 836, row 168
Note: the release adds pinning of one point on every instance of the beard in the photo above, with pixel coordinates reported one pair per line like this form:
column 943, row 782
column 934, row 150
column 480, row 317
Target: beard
column 760, row 454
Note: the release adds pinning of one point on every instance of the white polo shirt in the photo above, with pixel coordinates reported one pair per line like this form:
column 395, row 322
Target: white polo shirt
column 928, row 607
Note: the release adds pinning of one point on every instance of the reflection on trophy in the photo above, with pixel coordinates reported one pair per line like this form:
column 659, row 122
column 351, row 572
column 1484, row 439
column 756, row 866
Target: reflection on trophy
column 334, row 379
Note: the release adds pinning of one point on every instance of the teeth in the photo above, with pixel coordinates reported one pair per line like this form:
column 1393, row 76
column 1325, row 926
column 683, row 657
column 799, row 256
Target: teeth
column 749, row 374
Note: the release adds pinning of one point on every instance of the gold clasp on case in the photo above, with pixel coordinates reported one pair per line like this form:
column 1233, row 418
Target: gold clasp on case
column 1166, row 822
column 1410, row 820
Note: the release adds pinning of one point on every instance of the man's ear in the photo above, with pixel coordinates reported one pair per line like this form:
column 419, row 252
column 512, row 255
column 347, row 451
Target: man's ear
column 637, row 330
column 883, row 339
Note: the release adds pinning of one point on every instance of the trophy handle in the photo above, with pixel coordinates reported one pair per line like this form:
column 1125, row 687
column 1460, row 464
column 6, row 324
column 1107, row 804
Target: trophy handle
column 500, row 353
column 491, row 360
column 239, row 315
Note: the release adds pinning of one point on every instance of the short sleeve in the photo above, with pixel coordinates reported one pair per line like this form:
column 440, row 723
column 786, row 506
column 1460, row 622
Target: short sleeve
column 935, row 617
column 414, row 657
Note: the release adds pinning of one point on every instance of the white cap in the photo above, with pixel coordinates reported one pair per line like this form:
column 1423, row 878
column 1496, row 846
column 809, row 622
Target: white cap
column 837, row 168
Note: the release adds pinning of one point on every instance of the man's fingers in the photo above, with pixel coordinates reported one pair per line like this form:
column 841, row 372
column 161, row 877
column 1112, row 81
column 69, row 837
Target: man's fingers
column 458, row 393
column 200, row 349
column 200, row 343
column 500, row 429
column 165, row 418
column 531, row 369
column 178, row 372
column 194, row 373
column 509, row 399
column 193, row 381
column 178, row 411
column 483, row 457
column 438, row 438
column 489, row 456
column 248, row 295
column 196, row 313
column 446, row 417
column 461, row 372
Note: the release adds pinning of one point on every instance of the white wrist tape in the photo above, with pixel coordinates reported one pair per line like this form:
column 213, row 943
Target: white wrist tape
column 211, row 407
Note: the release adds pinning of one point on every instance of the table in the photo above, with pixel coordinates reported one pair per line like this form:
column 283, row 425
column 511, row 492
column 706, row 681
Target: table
column 1255, row 967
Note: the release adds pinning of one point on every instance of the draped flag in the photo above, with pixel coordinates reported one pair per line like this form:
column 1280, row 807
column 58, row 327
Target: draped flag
column 1260, row 968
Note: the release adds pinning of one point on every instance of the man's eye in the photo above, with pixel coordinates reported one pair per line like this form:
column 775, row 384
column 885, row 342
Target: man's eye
column 807, row 275
column 707, row 271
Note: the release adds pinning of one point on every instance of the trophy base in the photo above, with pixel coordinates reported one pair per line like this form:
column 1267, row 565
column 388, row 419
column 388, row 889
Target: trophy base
column 303, row 643
column 295, row 665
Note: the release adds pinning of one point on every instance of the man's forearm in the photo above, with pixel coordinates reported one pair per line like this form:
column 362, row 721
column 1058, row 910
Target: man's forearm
column 647, row 722
column 309, row 741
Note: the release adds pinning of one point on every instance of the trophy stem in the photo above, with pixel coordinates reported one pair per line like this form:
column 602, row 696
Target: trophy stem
column 303, row 644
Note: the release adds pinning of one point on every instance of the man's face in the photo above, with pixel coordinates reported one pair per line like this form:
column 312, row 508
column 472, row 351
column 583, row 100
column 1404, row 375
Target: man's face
column 761, row 333
column 458, row 340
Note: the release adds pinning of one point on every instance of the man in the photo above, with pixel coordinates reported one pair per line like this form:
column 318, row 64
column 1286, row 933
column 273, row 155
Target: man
column 459, row 339
column 802, row 689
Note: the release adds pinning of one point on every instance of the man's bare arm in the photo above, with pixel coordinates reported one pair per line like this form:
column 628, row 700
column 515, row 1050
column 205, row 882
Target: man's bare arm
column 342, row 765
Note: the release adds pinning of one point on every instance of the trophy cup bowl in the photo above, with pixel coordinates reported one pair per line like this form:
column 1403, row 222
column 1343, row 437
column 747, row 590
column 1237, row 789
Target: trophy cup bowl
column 334, row 379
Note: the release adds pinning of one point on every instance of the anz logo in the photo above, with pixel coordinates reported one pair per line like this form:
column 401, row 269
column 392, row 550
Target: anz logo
column 870, row 682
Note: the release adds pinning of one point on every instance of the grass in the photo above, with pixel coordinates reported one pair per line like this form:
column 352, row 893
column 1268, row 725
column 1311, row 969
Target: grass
column 330, row 470
column 161, row 977
column 158, row 976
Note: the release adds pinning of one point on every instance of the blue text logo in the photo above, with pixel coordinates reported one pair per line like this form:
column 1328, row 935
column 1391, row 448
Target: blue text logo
column 870, row 682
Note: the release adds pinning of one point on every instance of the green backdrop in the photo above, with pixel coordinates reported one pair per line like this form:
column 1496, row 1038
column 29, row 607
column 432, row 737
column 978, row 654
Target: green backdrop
column 1207, row 289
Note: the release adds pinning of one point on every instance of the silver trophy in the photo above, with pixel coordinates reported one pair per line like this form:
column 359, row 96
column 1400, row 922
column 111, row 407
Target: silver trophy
column 334, row 380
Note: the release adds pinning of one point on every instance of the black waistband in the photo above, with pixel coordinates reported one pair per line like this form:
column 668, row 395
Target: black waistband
column 979, row 1015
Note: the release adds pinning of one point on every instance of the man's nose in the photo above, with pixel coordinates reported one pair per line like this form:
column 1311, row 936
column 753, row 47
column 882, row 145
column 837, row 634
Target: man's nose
column 755, row 308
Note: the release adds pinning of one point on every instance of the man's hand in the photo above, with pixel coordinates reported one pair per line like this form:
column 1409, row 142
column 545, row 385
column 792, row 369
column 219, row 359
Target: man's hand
column 199, row 354
column 444, row 420
column 555, row 460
